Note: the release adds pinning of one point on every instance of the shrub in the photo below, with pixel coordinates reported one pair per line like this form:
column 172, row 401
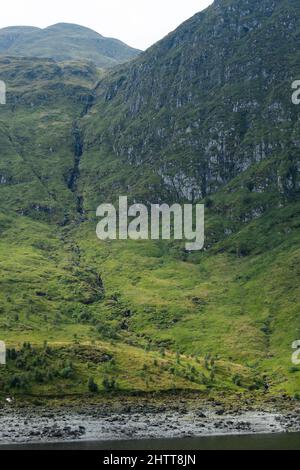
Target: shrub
column 109, row 385
column 18, row 381
column 106, row 330
column 237, row 380
column 92, row 386
column 67, row 373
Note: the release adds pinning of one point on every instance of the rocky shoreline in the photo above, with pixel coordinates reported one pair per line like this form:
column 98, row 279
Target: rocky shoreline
column 142, row 419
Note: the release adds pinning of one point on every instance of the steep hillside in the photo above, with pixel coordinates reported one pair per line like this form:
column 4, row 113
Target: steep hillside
column 204, row 115
column 38, row 134
column 63, row 42
column 207, row 103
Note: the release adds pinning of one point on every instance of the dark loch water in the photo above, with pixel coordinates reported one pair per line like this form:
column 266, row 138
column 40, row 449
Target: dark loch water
column 253, row 442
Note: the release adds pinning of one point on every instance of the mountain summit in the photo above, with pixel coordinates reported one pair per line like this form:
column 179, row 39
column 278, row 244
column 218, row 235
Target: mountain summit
column 64, row 41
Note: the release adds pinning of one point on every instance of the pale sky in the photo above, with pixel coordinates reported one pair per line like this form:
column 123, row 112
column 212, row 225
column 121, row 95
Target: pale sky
column 139, row 23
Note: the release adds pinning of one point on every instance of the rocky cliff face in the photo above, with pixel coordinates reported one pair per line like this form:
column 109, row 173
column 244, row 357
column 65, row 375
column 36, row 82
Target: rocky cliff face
column 204, row 105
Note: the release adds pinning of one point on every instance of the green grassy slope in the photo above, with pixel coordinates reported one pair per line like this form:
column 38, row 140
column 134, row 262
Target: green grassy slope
column 72, row 320
column 150, row 308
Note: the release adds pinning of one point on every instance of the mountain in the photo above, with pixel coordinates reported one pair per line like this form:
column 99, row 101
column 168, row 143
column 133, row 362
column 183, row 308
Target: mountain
column 63, row 42
column 205, row 115
column 206, row 104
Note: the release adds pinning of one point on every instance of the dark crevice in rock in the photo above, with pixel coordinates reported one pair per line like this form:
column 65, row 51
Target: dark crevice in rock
column 75, row 173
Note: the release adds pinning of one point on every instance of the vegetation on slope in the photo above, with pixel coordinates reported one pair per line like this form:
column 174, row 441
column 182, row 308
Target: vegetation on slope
column 174, row 125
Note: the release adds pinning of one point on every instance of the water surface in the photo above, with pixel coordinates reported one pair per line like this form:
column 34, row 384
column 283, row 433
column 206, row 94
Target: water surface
column 287, row 441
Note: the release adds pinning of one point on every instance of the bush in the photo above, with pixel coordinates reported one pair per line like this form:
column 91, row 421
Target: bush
column 237, row 380
column 106, row 330
column 109, row 385
column 67, row 373
column 18, row 381
column 92, row 386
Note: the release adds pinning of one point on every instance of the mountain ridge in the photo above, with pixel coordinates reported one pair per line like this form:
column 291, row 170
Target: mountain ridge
column 62, row 42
